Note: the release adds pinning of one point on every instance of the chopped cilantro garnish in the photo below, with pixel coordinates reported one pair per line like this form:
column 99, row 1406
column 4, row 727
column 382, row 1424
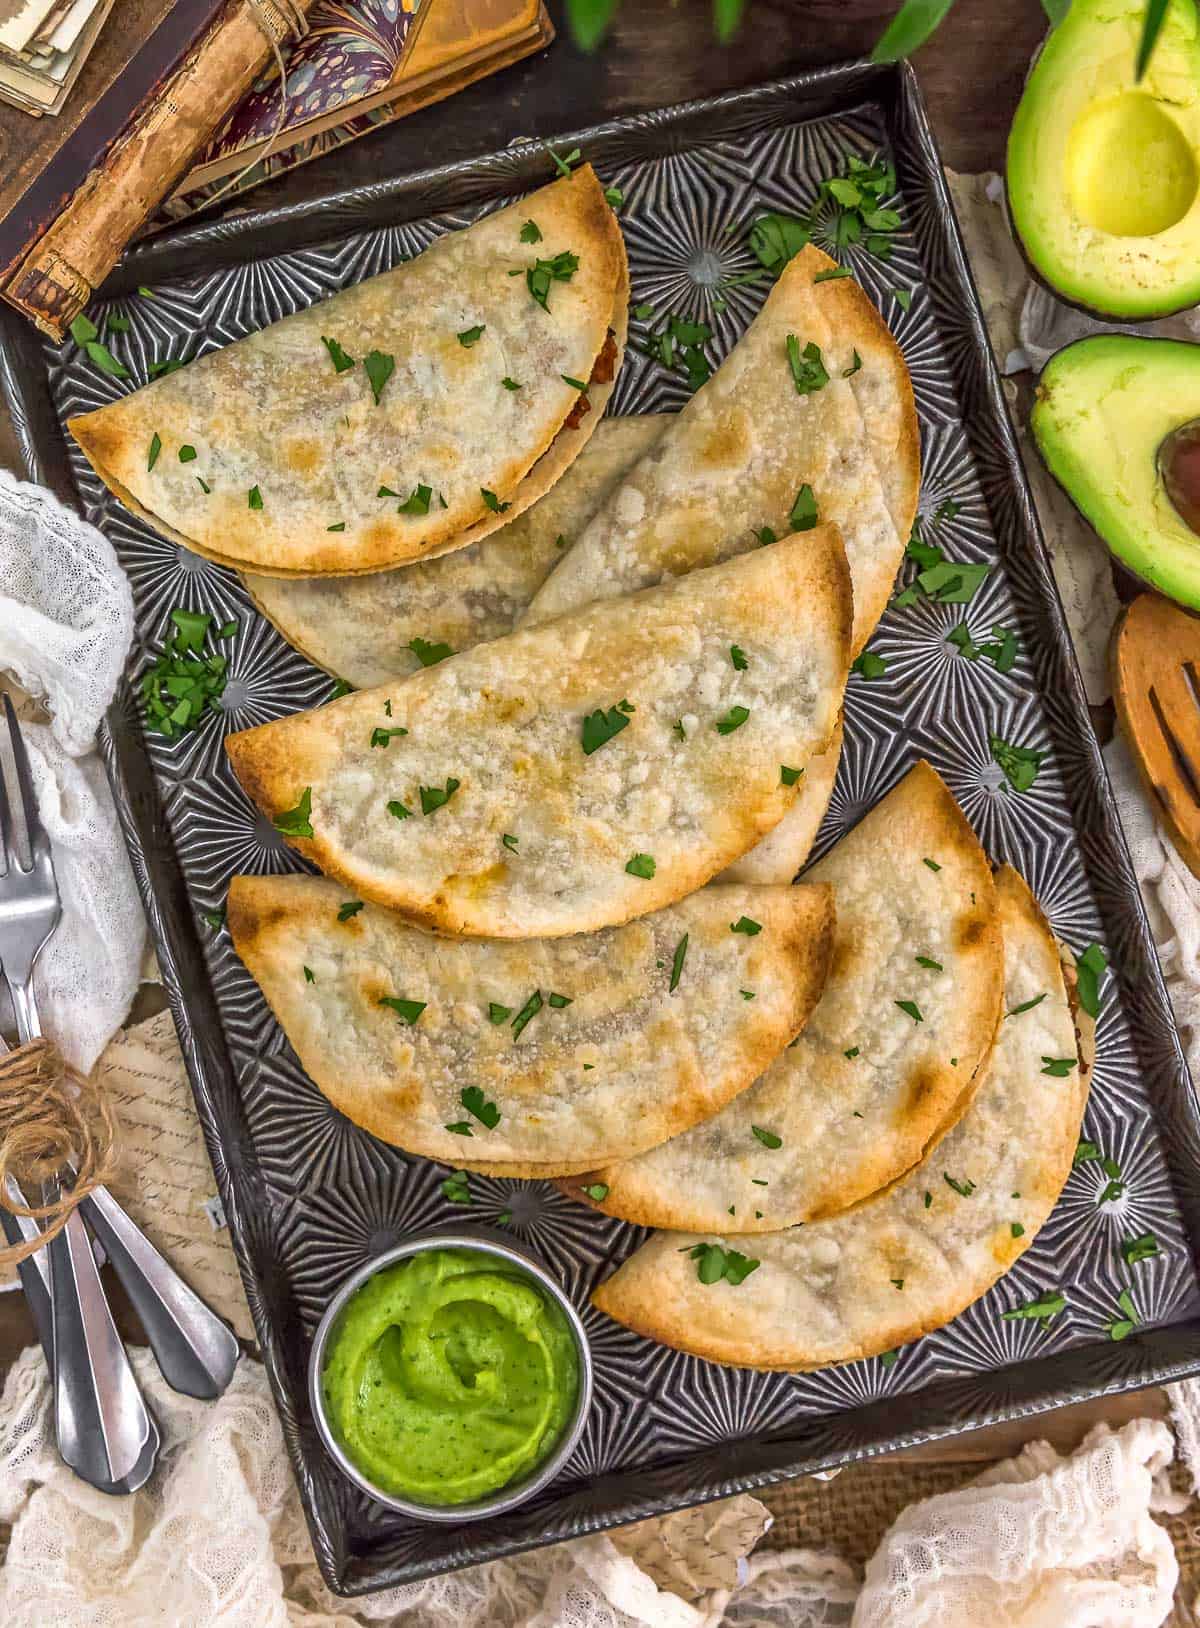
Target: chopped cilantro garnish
column 563, row 165
column 832, row 273
column 1019, row 763
column 531, row 232
column 1058, row 1067
column 543, row 273
column 928, row 1199
column 457, row 1188
column 350, row 908
column 310, row 976
column 932, row 863
column 679, row 345
column 169, row 364
column 1123, row 1326
column 643, row 311
column 559, row 1001
column 1084, row 1153
column 774, row 239
column 342, row 362
column 733, row 719
column 254, row 498
column 889, row 1358
column 398, row 811
column 766, row 536
column 599, row 727
column 856, row 363
column 407, row 1011
column 417, row 501
column 339, row 526
column 1090, row 967
column 509, row 384
column 155, row 449
column 716, row 1263
column 597, row 1191
column 1143, row 1248
column 382, row 737
column 478, row 1106
column 738, row 657
column 614, row 197
column 766, row 1137
column 903, row 298
column 86, row 335
column 1041, row 1310
column 498, row 1014
column 803, row 514
column 187, row 454
column 641, row 865
column 911, row 1009
column 429, row 654
column 117, row 324
column 296, row 822
column 215, row 919
column 472, row 336
column 461, row 1127
column 788, row 777
column 853, row 1052
column 1016, row 1229
column 808, row 370
column 435, row 797
column 677, row 961
column 869, row 665
column 928, row 961
column 206, row 489
column 963, row 1188
column 492, row 502
column 379, row 368
column 744, row 925
column 746, row 994
column 510, row 842
column 530, row 1010
column 183, row 682
column 1027, row 1006
column 576, row 384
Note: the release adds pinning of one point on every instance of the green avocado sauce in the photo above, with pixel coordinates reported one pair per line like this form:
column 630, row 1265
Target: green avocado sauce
column 449, row 1375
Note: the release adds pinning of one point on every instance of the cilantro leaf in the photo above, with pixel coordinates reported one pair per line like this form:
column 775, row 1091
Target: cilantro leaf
column 498, row 1014
column 531, row 232
column 775, row 239
column 543, row 273
column 808, row 370
column 600, row 727
column 457, row 1188
column 788, row 777
column 716, row 1263
column 382, row 737
column 478, row 1106
column 766, row 1137
column 1090, row 968
column 869, row 665
column 677, row 961
column 429, row 654
column 398, row 811
column 597, row 1191
column 379, row 367
column 1019, row 763
column 417, row 501
column 254, row 498
column 155, row 449
column 1027, row 1006
column 296, row 822
column 803, row 515
column 733, row 719
column 407, row 1011
column 911, row 1009
column 641, row 865
column 472, row 336
column 1058, row 1067
column 492, row 502
column 434, row 797
column 530, row 1010
column 745, row 925
column 342, row 362
column 1040, row 1310
column 1143, row 1248
column 350, row 908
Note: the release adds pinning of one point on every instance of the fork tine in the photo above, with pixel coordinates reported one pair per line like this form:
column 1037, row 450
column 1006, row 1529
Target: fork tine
column 38, row 840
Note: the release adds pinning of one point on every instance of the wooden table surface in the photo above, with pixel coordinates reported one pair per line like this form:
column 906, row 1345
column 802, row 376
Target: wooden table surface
column 662, row 51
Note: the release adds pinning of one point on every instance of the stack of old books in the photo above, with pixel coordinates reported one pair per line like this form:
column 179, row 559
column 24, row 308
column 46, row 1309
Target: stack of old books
column 43, row 46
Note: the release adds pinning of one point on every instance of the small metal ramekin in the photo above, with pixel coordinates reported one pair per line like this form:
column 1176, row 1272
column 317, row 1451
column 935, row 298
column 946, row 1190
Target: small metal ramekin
column 483, row 1241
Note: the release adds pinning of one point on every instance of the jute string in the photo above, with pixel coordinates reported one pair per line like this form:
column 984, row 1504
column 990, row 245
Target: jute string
column 51, row 1118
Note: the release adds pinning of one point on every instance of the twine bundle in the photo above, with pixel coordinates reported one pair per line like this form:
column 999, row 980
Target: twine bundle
column 52, row 1118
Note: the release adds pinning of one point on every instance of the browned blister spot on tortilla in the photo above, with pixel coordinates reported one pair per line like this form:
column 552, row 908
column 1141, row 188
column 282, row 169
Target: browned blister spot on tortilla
column 923, row 1083
column 303, row 455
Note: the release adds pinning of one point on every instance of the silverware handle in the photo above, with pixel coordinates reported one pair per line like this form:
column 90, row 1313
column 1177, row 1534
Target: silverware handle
column 101, row 1416
column 195, row 1350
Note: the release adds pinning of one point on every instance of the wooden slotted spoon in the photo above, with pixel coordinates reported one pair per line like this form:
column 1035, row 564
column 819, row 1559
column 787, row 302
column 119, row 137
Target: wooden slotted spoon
column 1156, row 686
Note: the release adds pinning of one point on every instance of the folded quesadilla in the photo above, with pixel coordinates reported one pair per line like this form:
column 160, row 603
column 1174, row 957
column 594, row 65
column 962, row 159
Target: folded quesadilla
column 916, row 1255
column 573, row 776
column 598, row 1044
column 368, row 629
column 887, row 1059
column 403, row 417
column 810, row 417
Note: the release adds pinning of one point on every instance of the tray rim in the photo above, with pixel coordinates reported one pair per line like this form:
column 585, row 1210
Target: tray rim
column 1026, row 1388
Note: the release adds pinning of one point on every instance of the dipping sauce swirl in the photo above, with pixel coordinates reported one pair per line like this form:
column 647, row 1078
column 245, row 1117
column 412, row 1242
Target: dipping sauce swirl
column 449, row 1375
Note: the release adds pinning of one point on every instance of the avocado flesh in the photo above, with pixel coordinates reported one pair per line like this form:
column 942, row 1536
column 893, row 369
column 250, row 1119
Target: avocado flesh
column 1104, row 407
column 1104, row 172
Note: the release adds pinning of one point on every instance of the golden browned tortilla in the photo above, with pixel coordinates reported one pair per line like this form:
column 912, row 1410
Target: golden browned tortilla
column 575, row 775
column 733, row 461
column 274, row 455
column 918, row 1253
column 887, row 1060
column 545, row 1051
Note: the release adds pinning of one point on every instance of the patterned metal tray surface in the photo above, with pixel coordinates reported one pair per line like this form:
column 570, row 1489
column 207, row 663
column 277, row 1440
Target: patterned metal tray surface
column 308, row 1194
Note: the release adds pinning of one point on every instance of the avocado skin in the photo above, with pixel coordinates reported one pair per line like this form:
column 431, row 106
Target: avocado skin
column 1104, row 405
column 1133, row 278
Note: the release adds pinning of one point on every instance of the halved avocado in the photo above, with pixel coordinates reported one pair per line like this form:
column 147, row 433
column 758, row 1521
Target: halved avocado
column 1117, row 420
column 1104, row 172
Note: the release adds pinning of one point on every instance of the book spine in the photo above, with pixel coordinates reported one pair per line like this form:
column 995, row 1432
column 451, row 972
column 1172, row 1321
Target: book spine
column 55, row 280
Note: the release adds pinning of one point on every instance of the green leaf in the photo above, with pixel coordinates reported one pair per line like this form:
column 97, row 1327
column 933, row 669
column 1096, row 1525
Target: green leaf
column 1020, row 764
column 457, row 1188
column 492, row 502
column 510, row 842
column 531, row 232
column 911, row 1009
column 254, row 498
column 952, row 582
column 903, row 298
column 597, row 1191
column 733, row 719
column 117, row 324
column 1143, row 1248
column 1153, row 19
column 342, row 361
column 788, row 777
column 738, row 657
column 379, row 367
column 599, row 727
column 576, row 384
column 803, row 515
column 543, row 273
column 169, row 365
column 408, row 1011
column 296, row 822
column 1026, row 1006
column 478, row 1106
column 187, row 454
column 530, row 1010
column 775, row 239
column 429, row 654
column 309, row 976
column 641, row 865
column 155, row 449
column 727, row 18
column 677, row 961
column 434, row 797
column 398, row 811
column 563, row 162
column 929, row 963
column 509, row 384
column 963, row 1188
column 417, row 501
column 498, row 1014
column 849, row 372
column 384, row 737
column 716, row 1263
column 1058, row 1067
column 350, row 908
column 1040, row 1310
column 614, row 197
column 869, row 665
column 808, row 370
column 559, row 1001
column 831, row 276
column 1090, row 967
column 744, row 924
column 767, row 1138
column 909, row 28
column 472, row 336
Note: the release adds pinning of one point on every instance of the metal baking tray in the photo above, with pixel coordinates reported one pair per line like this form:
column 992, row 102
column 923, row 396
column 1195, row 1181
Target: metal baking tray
column 307, row 1194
